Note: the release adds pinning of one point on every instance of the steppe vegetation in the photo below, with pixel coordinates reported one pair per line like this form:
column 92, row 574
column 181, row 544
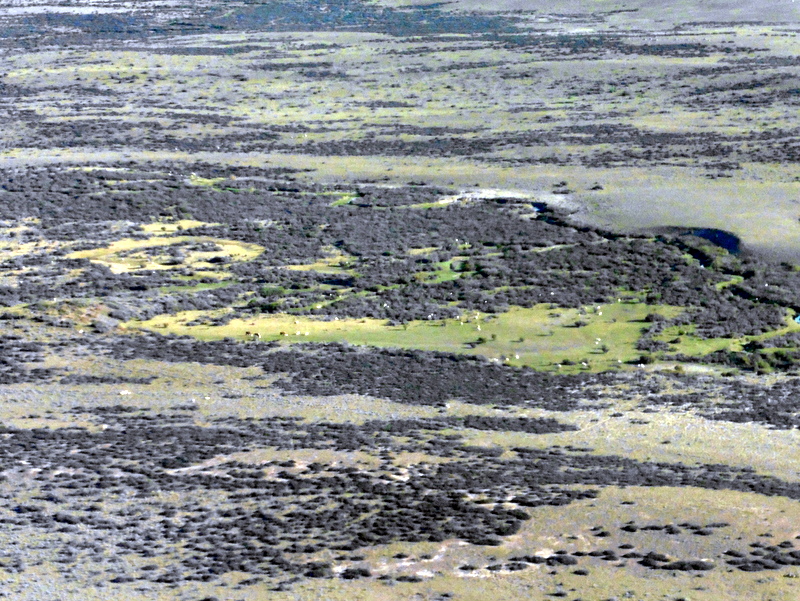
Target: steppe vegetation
column 370, row 300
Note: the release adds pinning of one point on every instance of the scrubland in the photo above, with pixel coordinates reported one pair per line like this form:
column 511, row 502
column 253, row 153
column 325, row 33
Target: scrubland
column 392, row 300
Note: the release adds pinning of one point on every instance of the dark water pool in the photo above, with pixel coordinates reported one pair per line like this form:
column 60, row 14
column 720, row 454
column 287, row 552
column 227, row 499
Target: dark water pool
column 720, row 238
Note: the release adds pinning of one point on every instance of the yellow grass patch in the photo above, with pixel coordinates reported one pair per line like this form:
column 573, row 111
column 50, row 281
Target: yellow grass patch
column 127, row 255
column 166, row 228
column 334, row 262
column 422, row 251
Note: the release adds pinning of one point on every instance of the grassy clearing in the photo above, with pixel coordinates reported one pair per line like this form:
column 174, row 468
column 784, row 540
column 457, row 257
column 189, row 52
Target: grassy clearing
column 212, row 182
column 167, row 228
column 442, row 272
column 129, row 255
column 734, row 280
column 345, row 198
column 414, row 252
column 538, row 337
column 443, row 202
column 335, row 261
column 692, row 345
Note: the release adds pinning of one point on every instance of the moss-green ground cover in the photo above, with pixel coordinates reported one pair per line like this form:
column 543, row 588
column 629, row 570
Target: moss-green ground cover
column 541, row 337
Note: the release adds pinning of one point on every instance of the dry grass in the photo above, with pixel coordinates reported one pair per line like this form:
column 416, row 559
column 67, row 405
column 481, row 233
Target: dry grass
column 129, row 255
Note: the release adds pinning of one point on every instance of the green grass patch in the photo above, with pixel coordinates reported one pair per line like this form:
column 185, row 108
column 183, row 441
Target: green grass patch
column 538, row 337
column 734, row 280
column 442, row 272
column 690, row 344
column 209, row 182
column 345, row 198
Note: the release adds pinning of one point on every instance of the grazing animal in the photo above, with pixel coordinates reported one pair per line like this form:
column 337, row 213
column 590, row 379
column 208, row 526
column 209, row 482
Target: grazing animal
column 284, row 334
column 257, row 335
